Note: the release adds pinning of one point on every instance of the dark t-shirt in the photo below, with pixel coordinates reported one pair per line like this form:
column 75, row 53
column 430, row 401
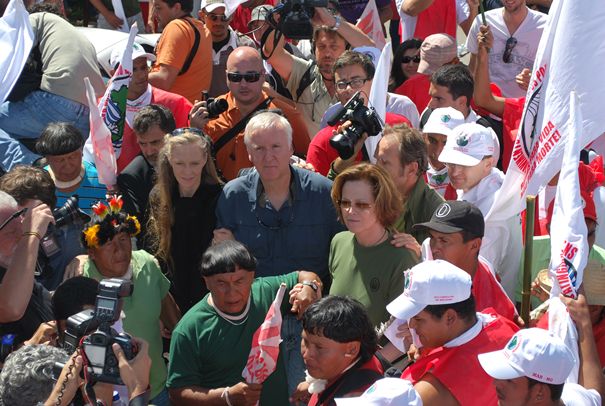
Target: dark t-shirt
column 38, row 311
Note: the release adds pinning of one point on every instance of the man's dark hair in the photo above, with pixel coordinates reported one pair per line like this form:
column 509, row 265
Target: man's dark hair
column 153, row 115
column 350, row 58
column 466, row 309
column 226, row 257
column 59, row 139
column 457, row 79
column 467, row 235
column 45, row 8
column 343, row 320
column 27, row 182
column 412, row 147
column 71, row 296
column 555, row 390
column 186, row 5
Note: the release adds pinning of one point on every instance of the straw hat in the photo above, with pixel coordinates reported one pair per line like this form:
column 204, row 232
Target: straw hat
column 594, row 282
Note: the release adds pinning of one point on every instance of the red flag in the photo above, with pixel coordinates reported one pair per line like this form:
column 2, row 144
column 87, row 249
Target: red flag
column 262, row 360
column 370, row 24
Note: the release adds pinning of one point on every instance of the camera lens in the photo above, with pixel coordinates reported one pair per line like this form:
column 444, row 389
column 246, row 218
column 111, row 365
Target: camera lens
column 216, row 106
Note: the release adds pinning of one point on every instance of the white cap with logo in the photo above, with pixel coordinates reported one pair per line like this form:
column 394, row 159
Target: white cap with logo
column 385, row 392
column 443, row 120
column 137, row 52
column 430, row 283
column 468, row 144
column 534, row 353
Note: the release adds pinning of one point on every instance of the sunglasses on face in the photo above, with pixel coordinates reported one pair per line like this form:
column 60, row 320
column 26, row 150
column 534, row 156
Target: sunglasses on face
column 218, row 17
column 511, row 43
column 360, row 206
column 408, row 59
column 12, row 217
column 249, row 77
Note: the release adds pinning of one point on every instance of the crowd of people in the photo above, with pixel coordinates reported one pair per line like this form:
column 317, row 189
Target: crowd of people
column 237, row 176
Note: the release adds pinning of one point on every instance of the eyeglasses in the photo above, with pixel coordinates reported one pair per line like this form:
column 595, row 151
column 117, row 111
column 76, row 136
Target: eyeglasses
column 360, row 206
column 217, row 17
column 12, row 217
column 249, row 77
column 355, row 83
column 186, row 130
column 408, row 59
column 279, row 224
column 511, row 43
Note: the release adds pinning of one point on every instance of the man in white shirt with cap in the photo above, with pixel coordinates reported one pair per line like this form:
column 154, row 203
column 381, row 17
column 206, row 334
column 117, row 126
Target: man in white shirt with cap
column 385, row 392
column 469, row 155
column 440, row 309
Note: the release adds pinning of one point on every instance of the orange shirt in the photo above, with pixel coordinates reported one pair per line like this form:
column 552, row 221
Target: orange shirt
column 174, row 47
column 234, row 156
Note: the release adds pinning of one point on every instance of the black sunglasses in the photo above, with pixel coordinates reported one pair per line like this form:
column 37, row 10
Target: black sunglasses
column 249, row 77
column 279, row 224
column 12, row 217
column 185, row 130
column 217, row 17
column 511, row 43
column 408, row 59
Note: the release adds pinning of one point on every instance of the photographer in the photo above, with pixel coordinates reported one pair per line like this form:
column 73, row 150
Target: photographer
column 24, row 303
column 331, row 37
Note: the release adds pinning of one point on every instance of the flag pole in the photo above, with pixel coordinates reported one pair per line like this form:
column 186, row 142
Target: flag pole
column 527, row 258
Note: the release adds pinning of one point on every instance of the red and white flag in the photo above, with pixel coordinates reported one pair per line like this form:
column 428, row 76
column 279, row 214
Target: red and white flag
column 567, row 58
column 262, row 360
column 370, row 24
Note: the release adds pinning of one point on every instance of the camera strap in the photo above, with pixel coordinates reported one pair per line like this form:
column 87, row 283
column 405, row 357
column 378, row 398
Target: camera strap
column 239, row 127
column 193, row 52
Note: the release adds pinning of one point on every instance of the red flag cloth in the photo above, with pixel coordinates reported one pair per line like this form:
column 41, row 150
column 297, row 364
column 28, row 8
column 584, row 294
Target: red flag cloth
column 262, row 360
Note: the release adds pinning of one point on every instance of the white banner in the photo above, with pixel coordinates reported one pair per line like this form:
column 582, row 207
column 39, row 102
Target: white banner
column 378, row 95
column 569, row 57
column 369, row 22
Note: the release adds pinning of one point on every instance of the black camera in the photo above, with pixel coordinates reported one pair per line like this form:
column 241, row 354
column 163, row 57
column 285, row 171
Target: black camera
column 362, row 118
column 93, row 330
column 295, row 17
column 215, row 107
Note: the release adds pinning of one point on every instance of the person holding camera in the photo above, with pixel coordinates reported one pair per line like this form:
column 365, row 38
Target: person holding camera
column 312, row 82
column 246, row 96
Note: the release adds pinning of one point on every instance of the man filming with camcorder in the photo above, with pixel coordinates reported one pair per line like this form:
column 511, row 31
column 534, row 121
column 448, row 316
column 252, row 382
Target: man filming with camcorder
column 310, row 83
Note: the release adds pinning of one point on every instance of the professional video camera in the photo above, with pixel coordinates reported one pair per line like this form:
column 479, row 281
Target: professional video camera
column 93, row 330
column 65, row 215
column 295, row 17
column 362, row 118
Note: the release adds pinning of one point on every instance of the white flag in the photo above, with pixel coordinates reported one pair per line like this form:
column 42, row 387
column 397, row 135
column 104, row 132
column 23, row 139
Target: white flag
column 118, row 10
column 231, row 6
column 369, row 22
column 569, row 246
column 16, row 41
column 568, row 58
column 378, row 95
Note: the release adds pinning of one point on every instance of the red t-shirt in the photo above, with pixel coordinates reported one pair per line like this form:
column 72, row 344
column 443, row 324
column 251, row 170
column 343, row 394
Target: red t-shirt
column 417, row 89
column 321, row 154
column 511, row 118
column 177, row 104
column 458, row 368
column 439, row 17
column 489, row 293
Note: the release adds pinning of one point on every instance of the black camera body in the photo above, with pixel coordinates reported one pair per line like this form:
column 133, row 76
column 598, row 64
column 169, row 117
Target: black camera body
column 295, row 17
column 215, row 107
column 362, row 118
column 92, row 329
column 67, row 214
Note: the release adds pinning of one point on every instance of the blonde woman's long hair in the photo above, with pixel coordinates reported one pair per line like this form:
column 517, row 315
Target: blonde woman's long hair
column 161, row 217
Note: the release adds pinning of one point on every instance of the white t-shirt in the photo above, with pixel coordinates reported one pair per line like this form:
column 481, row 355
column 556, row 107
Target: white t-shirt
column 576, row 395
column 523, row 54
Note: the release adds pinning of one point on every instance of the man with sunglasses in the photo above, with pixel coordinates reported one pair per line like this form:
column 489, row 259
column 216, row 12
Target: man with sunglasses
column 517, row 31
column 224, row 41
column 245, row 79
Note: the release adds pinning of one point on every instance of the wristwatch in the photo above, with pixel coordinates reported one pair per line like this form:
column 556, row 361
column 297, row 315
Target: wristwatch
column 313, row 285
column 337, row 21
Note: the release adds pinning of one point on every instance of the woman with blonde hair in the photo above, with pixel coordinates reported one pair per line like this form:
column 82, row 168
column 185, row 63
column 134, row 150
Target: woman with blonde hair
column 182, row 206
column 363, row 263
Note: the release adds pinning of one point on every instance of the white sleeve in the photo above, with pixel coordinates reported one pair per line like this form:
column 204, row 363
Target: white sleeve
column 471, row 39
column 462, row 11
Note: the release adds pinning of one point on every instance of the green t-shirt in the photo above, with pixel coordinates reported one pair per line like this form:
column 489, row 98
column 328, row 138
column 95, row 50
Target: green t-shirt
column 210, row 352
column 371, row 275
column 142, row 309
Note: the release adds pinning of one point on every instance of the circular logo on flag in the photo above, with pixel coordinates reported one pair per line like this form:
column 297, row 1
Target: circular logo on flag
column 443, row 210
column 513, row 344
column 445, row 118
column 463, row 140
column 408, row 280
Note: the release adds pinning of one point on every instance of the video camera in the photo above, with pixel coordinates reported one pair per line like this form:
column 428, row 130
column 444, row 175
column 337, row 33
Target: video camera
column 92, row 329
column 295, row 17
column 65, row 215
column 362, row 118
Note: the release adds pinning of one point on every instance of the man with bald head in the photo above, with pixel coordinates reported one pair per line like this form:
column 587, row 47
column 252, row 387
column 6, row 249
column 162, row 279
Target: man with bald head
column 245, row 79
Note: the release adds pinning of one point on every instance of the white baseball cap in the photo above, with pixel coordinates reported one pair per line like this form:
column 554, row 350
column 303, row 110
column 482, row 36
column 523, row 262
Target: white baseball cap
column 210, row 5
column 468, row 144
column 443, row 120
column 534, row 353
column 385, row 392
column 137, row 52
column 430, row 283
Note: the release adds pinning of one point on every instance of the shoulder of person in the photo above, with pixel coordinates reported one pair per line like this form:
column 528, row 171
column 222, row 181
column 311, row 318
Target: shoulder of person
column 240, row 185
column 313, row 181
column 243, row 39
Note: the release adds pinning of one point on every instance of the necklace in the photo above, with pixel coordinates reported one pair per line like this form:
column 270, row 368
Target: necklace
column 235, row 320
column 69, row 184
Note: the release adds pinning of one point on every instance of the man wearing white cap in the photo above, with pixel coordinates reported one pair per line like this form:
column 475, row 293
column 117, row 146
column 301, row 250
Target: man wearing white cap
column 141, row 94
column 469, row 155
column 533, row 366
column 224, row 40
column 385, row 392
column 440, row 309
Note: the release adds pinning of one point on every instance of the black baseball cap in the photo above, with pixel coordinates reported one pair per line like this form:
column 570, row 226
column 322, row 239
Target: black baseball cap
column 454, row 216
